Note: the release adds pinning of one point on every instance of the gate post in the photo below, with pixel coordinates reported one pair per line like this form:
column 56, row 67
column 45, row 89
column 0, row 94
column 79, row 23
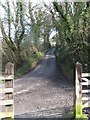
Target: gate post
column 9, row 83
column 78, row 90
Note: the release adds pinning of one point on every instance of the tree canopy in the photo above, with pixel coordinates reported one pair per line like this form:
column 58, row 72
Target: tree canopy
column 26, row 28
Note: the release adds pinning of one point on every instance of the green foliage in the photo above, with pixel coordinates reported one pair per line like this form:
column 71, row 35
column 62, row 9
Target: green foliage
column 78, row 110
column 70, row 21
column 29, row 64
column 29, row 24
column 82, row 117
column 72, row 30
column 65, row 62
column 79, row 114
column 71, row 116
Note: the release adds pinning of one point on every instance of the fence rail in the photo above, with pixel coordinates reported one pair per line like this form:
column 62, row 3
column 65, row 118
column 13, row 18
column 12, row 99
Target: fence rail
column 8, row 100
column 6, row 77
column 85, row 74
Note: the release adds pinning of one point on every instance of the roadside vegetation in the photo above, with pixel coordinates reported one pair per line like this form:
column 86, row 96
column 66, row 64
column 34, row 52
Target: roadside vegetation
column 73, row 35
column 29, row 64
column 80, row 117
column 26, row 35
column 27, row 29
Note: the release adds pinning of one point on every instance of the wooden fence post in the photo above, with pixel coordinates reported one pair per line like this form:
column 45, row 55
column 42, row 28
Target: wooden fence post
column 78, row 90
column 9, row 71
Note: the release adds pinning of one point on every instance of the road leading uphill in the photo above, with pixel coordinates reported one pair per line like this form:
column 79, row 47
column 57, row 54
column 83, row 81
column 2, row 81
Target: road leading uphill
column 43, row 92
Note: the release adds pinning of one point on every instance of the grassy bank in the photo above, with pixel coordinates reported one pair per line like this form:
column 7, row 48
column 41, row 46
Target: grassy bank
column 67, row 60
column 29, row 64
column 65, row 63
column 71, row 116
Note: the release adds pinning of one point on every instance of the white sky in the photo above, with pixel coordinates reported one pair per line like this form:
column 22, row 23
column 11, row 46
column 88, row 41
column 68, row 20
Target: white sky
column 40, row 1
column 34, row 2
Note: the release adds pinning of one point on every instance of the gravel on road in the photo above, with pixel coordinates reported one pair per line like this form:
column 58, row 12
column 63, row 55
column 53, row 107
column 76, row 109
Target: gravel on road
column 43, row 92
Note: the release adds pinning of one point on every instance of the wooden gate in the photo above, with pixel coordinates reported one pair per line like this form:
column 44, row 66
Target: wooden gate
column 86, row 82
column 7, row 101
column 82, row 99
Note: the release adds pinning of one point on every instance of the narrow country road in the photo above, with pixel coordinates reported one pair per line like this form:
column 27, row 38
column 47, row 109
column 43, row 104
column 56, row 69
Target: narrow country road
column 43, row 92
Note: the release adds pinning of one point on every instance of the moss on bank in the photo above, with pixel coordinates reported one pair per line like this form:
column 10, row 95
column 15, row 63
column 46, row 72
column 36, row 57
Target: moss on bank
column 79, row 117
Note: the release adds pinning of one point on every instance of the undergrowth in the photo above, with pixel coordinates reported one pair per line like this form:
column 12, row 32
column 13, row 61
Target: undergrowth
column 79, row 117
column 66, row 61
column 29, row 64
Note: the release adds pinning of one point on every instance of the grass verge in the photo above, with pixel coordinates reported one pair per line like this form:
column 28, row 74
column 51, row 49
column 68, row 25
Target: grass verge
column 79, row 117
column 29, row 64
column 65, row 63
